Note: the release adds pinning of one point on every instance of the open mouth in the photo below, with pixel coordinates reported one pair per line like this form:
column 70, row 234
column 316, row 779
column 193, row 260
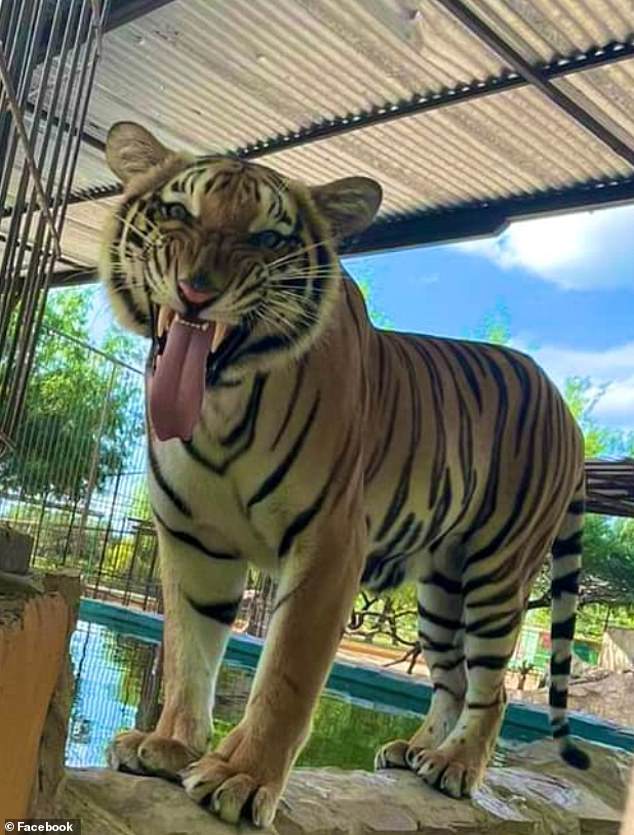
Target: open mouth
column 219, row 330
column 177, row 385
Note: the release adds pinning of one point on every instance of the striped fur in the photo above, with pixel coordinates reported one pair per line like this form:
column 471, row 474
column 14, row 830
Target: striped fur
column 331, row 453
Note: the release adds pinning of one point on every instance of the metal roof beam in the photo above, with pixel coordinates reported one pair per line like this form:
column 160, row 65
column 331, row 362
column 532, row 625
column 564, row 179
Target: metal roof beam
column 534, row 76
column 478, row 220
column 481, row 219
column 602, row 56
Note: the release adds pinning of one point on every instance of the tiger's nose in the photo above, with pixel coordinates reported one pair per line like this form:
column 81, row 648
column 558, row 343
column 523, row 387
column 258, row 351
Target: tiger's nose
column 197, row 290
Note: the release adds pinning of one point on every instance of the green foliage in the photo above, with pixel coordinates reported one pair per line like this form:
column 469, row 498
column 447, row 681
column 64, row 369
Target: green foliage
column 77, row 402
column 582, row 398
column 364, row 277
column 495, row 326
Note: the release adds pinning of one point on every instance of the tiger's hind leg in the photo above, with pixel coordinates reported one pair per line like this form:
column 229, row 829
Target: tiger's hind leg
column 441, row 635
column 493, row 612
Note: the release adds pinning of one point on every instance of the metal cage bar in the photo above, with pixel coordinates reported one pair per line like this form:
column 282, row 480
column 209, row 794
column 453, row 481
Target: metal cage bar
column 48, row 57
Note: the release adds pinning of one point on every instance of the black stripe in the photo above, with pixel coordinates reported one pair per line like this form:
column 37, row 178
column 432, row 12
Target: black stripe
column 564, row 730
column 503, row 629
column 434, row 531
column 299, row 379
column 484, row 580
column 440, row 446
column 476, row 626
column 567, row 547
column 560, row 668
column 353, row 312
column 438, row 685
column 380, row 453
column 246, row 433
column 565, row 629
column 488, row 505
column 190, row 540
column 568, row 583
column 557, row 698
column 250, row 413
column 176, row 500
column 484, row 705
column 467, row 370
column 275, row 478
column 577, row 507
column 445, row 583
column 434, row 646
column 439, row 620
column 489, row 662
column 447, row 666
column 305, row 517
column 225, row 612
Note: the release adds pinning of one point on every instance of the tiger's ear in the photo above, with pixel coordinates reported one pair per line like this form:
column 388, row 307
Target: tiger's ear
column 349, row 204
column 131, row 150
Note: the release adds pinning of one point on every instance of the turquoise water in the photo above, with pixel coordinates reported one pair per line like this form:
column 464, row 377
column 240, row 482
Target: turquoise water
column 117, row 688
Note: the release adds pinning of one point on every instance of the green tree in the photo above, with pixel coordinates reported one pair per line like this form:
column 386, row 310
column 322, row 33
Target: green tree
column 364, row 278
column 495, row 326
column 83, row 413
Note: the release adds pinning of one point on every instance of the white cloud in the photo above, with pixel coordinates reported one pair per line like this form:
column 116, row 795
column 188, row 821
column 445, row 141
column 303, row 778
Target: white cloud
column 580, row 251
column 616, row 406
column 612, row 370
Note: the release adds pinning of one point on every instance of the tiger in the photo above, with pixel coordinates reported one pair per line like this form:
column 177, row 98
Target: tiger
column 287, row 433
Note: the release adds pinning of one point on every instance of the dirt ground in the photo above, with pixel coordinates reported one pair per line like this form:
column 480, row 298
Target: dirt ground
column 598, row 692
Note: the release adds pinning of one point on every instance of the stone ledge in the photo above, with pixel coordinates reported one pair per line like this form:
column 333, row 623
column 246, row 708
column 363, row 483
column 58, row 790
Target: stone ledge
column 540, row 796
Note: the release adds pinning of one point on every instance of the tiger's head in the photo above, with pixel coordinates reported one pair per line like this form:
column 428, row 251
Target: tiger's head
column 226, row 265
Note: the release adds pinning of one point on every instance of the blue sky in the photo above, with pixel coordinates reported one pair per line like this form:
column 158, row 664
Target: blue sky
column 565, row 284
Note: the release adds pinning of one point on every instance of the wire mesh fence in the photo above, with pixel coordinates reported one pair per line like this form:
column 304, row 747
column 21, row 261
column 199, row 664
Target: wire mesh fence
column 75, row 480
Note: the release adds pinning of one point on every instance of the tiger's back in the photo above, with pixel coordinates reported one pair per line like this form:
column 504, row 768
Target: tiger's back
column 469, row 446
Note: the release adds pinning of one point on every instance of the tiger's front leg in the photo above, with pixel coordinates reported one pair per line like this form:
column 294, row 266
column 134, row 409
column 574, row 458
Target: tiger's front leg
column 319, row 579
column 201, row 593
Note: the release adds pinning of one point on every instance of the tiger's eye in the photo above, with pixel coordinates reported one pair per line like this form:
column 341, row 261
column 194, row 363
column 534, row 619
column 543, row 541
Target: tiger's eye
column 176, row 211
column 267, row 239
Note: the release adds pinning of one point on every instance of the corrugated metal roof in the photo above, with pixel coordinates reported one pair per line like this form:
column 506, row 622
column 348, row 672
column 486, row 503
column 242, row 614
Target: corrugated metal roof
column 210, row 75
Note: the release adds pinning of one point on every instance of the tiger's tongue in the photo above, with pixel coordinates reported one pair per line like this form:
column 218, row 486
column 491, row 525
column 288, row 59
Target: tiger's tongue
column 178, row 384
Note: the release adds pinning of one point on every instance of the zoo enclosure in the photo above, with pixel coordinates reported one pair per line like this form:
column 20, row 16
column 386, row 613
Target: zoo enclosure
column 516, row 120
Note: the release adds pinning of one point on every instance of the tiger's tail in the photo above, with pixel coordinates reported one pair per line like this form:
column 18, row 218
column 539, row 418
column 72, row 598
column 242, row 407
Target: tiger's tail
column 566, row 567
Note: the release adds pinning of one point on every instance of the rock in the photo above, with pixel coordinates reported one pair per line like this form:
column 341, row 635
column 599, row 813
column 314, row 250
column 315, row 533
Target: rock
column 35, row 692
column 600, row 693
column 15, row 550
column 536, row 794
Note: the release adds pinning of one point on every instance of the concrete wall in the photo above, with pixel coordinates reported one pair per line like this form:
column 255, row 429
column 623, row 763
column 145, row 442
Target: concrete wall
column 617, row 649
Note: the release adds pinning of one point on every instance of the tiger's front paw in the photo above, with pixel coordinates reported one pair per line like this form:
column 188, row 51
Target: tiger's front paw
column 242, row 779
column 149, row 753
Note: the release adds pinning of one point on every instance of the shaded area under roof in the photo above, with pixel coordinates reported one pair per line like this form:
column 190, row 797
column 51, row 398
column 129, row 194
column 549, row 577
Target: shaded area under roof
column 400, row 90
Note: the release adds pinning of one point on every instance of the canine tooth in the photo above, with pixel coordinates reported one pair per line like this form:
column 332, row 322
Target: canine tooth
column 219, row 334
